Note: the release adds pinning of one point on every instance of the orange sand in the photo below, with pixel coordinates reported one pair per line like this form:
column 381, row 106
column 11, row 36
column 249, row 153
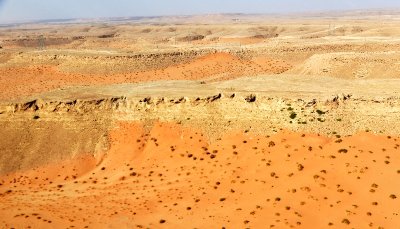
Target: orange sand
column 219, row 66
column 170, row 177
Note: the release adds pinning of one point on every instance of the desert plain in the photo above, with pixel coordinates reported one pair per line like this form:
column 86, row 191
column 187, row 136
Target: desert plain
column 211, row 121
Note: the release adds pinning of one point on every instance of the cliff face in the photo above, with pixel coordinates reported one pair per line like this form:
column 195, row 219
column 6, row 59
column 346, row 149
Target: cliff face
column 75, row 106
column 40, row 131
column 26, row 144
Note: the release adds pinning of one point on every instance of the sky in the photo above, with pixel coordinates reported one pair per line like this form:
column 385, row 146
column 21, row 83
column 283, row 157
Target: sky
column 25, row 10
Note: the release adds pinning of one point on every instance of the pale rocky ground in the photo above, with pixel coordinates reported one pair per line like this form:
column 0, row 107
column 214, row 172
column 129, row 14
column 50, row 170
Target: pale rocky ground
column 228, row 121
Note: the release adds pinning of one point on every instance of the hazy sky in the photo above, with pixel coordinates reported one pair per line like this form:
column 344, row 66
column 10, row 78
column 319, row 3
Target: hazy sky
column 20, row 10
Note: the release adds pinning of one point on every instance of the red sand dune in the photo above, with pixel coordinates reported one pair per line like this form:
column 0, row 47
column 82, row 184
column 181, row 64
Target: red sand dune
column 221, row 66
column 171, row 176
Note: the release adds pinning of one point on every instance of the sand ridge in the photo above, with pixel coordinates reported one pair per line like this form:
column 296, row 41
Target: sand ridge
column 217, row 66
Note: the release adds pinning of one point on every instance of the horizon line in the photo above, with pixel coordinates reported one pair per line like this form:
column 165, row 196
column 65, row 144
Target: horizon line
column 100, row 19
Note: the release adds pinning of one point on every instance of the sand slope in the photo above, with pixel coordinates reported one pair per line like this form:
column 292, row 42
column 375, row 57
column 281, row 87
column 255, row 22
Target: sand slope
column 169, row 176
column 351, row 65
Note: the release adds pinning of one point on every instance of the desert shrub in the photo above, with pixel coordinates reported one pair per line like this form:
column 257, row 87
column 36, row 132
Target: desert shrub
column 343, row 151
column 346, row 221
column 251, row 98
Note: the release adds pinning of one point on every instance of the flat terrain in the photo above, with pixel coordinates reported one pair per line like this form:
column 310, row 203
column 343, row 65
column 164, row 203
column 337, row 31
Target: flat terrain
column 230, row 121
